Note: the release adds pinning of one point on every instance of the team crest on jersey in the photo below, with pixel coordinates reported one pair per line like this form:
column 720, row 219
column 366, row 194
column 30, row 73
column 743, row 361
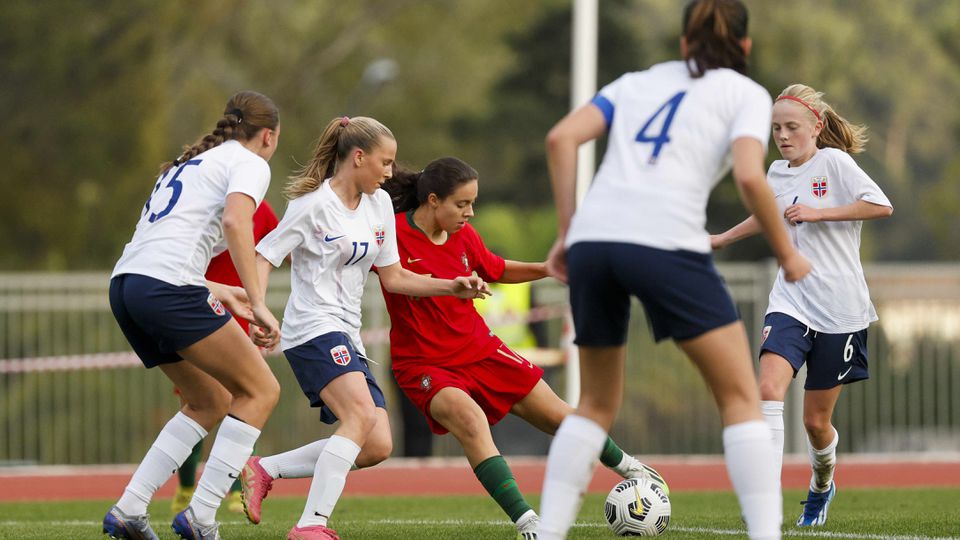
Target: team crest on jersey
column 765, row 333
column 215, row 304
column 426, row 382
column 340, row 355
column 466, row 263
column 379, row 234
column 818, row 185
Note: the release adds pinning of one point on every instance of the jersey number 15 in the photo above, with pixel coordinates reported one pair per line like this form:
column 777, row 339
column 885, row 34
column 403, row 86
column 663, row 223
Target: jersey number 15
column 175, row 185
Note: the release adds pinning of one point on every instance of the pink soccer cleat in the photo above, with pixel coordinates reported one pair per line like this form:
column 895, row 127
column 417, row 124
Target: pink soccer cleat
column 255, row 483
column 313, row 532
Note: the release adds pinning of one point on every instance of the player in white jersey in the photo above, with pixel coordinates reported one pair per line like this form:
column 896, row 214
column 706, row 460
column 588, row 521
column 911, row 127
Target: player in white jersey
column 640, row 232
column 338, row 224
column 821, row 321
column 175, row 320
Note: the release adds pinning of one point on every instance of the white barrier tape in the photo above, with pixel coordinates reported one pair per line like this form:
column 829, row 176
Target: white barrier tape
column 372, row 336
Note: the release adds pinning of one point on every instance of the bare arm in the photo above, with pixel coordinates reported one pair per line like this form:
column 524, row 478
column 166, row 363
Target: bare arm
column 758, row 198
column 522, row 272
column 399, row 280
column 744, row 229
column 858, row 211
column 582, row 125
column 238, row 231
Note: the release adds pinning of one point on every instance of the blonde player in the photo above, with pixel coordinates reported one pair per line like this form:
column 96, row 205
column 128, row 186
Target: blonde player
column 339, row 224
column 174, row 319
column 640, row 232
column 821, row 321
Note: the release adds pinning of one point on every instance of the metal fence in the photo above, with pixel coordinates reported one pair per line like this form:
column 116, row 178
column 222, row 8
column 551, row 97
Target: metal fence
column 72, row 393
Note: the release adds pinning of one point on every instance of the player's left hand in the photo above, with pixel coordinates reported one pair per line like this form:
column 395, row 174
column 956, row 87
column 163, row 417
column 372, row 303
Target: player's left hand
column 798, row 213
column 470, row 287
column 234, row 299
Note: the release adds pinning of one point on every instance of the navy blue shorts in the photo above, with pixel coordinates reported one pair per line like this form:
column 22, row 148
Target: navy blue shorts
column 681, row 292
column 323, row 359
column 159, row 319
column 832, row 359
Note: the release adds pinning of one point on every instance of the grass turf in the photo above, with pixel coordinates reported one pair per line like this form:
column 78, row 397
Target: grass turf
column 855, row 514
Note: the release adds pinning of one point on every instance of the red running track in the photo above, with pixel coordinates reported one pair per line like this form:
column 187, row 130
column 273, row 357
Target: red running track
column 441, row 476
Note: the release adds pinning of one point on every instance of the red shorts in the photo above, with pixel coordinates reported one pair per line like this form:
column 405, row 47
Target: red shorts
column 496, row 383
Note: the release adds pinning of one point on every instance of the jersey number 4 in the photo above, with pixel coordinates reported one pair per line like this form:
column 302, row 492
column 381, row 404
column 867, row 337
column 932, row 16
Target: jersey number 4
column 174, row 184
column 659, row 139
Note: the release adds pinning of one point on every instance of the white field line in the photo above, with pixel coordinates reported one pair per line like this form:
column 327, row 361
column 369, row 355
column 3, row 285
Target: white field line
column 702, row 530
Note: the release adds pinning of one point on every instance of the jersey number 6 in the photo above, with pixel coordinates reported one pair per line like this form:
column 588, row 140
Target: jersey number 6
column 660, row 139
column 175, row 185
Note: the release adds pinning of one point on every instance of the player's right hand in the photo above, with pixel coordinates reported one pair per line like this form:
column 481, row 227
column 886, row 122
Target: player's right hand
column 795, row 267
column 266, row 333
column 557, row 260
column 716, row 242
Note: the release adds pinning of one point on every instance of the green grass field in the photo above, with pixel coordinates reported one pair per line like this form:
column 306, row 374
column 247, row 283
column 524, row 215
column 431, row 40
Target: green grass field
column 855, row 514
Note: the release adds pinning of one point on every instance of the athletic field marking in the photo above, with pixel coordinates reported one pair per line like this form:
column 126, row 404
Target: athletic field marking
column 412, row 522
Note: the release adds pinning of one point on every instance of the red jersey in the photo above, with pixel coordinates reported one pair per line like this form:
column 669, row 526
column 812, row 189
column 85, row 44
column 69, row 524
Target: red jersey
column 440, row 330
column 221, row 267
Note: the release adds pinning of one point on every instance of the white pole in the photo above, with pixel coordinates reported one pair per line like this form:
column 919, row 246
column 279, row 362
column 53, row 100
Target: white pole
column 583, row 85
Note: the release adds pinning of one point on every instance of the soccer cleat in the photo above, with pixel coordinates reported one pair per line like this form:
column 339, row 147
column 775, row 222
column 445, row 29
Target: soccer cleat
column 235, row 502
column 116, row 524
column 815, row 507
column 181, row 499
column 255, row 483
column 185, row 525
column 636, row 469
column 527, row 526
column 312, row 532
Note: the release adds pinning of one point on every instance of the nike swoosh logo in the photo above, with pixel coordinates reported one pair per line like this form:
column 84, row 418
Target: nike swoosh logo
column 231, row 475
column 328, row 238
column 411, row 261
column 844, row 374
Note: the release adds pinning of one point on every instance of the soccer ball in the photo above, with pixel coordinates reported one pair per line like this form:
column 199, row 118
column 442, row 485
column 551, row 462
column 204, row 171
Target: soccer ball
column 637, row 507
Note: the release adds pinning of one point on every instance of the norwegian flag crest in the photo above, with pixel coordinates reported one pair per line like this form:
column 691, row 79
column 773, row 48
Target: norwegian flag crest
column 819, row 186
column 379, row 234
column 215, row 304
column 340, row 355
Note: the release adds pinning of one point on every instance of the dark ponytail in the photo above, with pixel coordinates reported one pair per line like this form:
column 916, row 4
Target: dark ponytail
column 245, row 114
column 713, row 30
column 409, row 189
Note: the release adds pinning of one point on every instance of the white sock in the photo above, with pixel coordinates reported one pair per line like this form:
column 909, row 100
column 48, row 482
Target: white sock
column 168, row 452
column 329, row 477
column 748, row 450
column 573, row 457
column 296, row 463
column 773, row 415
column 823, row 462
column 231, row 448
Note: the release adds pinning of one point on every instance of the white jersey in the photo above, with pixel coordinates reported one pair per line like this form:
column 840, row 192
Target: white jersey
column 668, row 145
column 833, row 298
column 332, row 249
column 182, row 222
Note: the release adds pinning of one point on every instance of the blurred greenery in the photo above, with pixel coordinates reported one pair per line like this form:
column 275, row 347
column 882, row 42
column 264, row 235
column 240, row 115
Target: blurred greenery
column 95, row 94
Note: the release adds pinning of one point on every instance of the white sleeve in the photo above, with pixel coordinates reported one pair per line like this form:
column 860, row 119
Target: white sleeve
column 752, row 114
column 290, row 233
column 858, row 183
column 389, row 254
column 251, row 177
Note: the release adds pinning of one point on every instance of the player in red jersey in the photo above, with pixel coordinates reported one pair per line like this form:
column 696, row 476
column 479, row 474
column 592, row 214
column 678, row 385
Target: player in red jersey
column 445, row 358
column 221, row 270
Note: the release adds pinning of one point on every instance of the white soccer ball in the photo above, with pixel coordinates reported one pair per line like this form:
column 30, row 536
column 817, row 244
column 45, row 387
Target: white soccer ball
column 637, row 507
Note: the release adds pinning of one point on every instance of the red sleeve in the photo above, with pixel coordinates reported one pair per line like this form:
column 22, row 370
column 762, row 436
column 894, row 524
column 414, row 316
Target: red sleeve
column 264, row 221
column 488, row 264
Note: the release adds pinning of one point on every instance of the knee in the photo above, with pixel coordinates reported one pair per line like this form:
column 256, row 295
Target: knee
column 468, row 425
column 817, row 425
column 376, row 450
column 212, row 406
column 771, row 391
column 360, row 415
